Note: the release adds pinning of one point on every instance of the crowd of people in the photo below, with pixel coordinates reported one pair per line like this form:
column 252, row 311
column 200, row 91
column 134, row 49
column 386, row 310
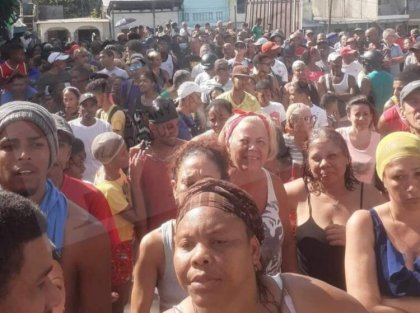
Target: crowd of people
column 214, row 169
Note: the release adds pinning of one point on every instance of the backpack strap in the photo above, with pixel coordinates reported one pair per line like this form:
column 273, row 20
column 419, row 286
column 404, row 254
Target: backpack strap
column 111, row 113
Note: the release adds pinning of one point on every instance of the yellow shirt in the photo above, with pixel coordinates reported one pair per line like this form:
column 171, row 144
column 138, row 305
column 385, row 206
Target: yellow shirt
column 249, row 103
column 117, row 193
column 117, row 120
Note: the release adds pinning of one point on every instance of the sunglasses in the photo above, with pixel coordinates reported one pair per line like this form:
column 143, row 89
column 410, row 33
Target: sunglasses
column 311, row 118
column 134, row 67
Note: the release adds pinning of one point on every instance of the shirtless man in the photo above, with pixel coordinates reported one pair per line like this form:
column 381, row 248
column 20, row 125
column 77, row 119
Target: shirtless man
column 28, row 149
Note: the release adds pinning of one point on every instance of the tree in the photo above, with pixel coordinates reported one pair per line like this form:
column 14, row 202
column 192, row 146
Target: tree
column 73, row 8
column 9, row 14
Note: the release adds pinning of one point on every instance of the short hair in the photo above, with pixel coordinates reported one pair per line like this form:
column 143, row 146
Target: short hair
column 15, row 76
column 220, row 104
column 387, row 32
column 210, row 148
column 263, row 85
column 410, row 74
column 327, row 100
column 135, row 45
column 77, row 147
column 21, row 221
column 108, row 51
column 259, row 58
column 9, row 48
column 152, row 54
column 73, row 90
column 98, row 85
column 297, row 64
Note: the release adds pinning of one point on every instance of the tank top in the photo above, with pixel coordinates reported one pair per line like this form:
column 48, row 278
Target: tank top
column 273, row 232
column 170, row 292
column 341, row 87
column 316, row 257
column 394, row 279
column 287, row 299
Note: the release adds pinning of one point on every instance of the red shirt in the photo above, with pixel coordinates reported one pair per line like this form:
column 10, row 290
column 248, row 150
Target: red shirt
column 6, row 70
column 393, row 119
column 92, row 200
column 158, row 195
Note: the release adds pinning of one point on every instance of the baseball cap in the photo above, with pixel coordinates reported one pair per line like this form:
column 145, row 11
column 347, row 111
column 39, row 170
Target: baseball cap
column 269, row 46
column 309, row 31
column 240, row 70
column 277, row 34
column 86, row 96
column 347, row 51
column 261, row 41
column 187, row 88
column 57, row 56
column 358, row 30
column 62, row 125
column 408, row 89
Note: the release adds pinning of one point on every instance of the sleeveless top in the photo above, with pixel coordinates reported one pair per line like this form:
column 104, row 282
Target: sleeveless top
column 341, row 87
column 273, row 232
column 287, row 299
column 316, row 257
column 394, row 279
column 168, row 65
column 170, row 292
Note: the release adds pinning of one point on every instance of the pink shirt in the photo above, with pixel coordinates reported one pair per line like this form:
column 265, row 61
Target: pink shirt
column 362, row 161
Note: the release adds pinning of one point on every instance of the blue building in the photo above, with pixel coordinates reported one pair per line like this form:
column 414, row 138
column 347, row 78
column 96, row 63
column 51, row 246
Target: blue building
column 203, row 11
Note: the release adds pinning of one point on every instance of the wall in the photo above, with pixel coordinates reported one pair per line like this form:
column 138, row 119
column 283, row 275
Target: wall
column 201, row 12
column 144, row 18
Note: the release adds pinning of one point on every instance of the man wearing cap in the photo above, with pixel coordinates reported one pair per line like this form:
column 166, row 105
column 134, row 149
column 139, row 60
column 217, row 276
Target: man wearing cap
column 57, row 73
column 189, row 102
column 220, row 79
column 28, row 150
column 324, row 50
column 410, row 106
column 83, row 194
column 351, row 65
column 207, row 64
column 86, row 128
column 278, row 68
column 414, row 57
column 155, row 180
column 238, row 97
column 239, row 58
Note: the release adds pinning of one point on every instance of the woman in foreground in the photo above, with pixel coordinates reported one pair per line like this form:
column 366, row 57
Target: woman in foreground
column 217, row 260
column 383, row 244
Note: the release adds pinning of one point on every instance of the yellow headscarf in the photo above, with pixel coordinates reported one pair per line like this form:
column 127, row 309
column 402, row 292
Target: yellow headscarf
column 395, row 145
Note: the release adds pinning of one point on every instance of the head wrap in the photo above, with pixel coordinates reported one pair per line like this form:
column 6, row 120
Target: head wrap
column 395, row 145
column 106, row 146
column 27, row 111
column 227, row 197
column 239, row 115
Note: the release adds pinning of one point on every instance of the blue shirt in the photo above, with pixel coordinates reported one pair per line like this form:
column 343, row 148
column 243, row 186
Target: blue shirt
column 8, row 95
column 382, row 88
column 187, row 127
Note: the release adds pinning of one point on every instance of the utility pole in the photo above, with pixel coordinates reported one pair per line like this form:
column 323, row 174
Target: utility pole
column 330, row 5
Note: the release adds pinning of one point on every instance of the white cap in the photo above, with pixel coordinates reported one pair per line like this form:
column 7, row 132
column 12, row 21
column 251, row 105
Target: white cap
column 57, row 56
column 261, row 41
column 187, row 88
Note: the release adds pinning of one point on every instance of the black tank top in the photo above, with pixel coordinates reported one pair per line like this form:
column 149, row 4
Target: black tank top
column 316, row 257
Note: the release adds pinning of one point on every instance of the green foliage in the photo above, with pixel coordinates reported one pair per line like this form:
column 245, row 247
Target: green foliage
column 9, row 13
column 73, row 8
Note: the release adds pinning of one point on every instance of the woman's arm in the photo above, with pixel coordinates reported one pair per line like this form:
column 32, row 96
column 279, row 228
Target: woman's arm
column 289, row 261
column 146, row 271
column 360, row 264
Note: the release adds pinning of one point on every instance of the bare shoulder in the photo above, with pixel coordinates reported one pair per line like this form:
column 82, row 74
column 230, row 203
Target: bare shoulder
column 359, row 220
column 151, row 245
column 315, row 296
column 296, row 189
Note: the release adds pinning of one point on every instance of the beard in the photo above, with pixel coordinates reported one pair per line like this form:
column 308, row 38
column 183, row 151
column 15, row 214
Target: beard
column 26, row 192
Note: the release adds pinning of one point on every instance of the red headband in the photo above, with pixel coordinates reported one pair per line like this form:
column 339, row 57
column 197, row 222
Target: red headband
column 240, row 115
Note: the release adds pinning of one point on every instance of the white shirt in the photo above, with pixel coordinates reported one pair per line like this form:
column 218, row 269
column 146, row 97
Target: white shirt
column 321, row 116
column 202, row 78
column 276, row 111
column 280, row 69
column 168, row 65
column 196, row 70
column 87, row 134
column 353, row 69
column 115, row 72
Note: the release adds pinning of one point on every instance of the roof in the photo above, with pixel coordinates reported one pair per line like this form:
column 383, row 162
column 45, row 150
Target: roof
column 143, row 4
column 75, row 20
